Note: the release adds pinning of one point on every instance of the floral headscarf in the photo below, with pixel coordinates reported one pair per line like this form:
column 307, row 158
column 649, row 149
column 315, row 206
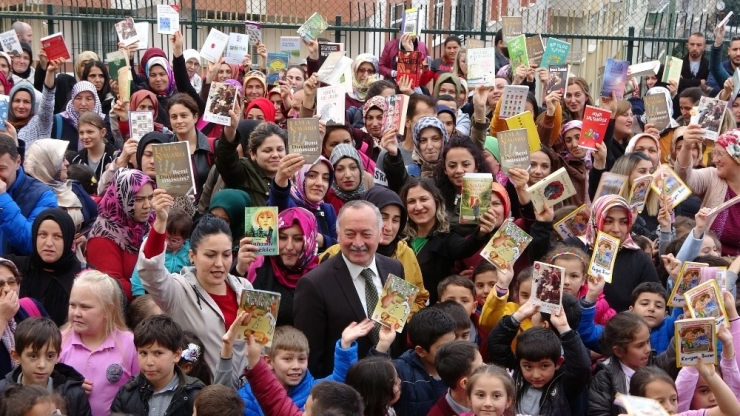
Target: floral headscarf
column 71, row 114
column 167, row 68
column 600, row 207
column 378, row 102
column 298, row 188
column 116, row 211
column 340, row 152
column 573, row 124
column 427, row 167
column 730, row 140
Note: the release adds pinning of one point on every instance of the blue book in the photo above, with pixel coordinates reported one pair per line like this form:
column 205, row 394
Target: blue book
column 277, row 65
column 615, row 78
column 556, row 53
column 4, row 105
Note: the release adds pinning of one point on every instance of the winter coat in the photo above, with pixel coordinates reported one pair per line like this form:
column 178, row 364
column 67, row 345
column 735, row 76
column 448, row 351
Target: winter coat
column 66, row 381
column 133, row 398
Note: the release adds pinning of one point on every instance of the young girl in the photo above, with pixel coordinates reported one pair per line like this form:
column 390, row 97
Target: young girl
column 496, row 305
column 96, row 153
column 95, row 340
column 490, row 390
column 376, row 380
column 191, row 361
column 30, row 401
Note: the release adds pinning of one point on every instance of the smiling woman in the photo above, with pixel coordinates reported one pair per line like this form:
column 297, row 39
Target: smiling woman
column 84, row 98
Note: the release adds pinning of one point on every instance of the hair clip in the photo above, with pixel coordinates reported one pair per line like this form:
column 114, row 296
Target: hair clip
column 191, row 354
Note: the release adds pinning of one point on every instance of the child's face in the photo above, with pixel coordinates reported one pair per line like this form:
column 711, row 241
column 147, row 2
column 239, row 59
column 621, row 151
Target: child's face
column 488, row 397
column 462, row 334
column 428, row 356
column 651, row 307
column 637, row 353
column 42, row 409
column 703, row 396
column 663, row 393
column 484, row 283
column 38, row 365
column 709, row 247
column 85, row 312
column 539, row 373
column 525, row 291
column 289, row 367
column 174, row 243
column 574, row 276
column 157, row 363
column 460, row 295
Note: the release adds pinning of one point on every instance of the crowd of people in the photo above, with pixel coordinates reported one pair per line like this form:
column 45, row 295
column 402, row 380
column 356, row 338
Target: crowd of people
column 119, row 298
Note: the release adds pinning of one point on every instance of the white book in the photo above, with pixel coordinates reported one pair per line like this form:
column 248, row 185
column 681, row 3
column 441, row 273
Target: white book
column 214, row 45
column 168, row 19
column 237, row 48
column 127, row 31
column 481, row 64
column 330, row 104
column 140, row 123
column 645, row 68
column 142, row 29
column 333, row 68
column 513, row 100
column 10, row 43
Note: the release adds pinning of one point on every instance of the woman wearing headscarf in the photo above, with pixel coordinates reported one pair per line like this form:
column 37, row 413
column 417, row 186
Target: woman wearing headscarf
column 229, row 204
column 4, row 84
column 124, row 218
column 97, row 73
column 260, row 109
column 142, row 100
column 577, row 161
column 21, row 65
column 65, row 82
column 364, row 73
column 161, row 81
column 349, row 183
column 143, row 74
column 192, row 63
column 84, row 98
column 29, row 123
column 5, row 68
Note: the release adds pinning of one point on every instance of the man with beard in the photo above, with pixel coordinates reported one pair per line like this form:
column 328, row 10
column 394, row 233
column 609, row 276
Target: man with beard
column 695, row 70
column 720, row 71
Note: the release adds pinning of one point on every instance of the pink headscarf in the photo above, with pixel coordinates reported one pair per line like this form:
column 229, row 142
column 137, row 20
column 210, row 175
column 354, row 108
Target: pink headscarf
column 298, row 188
column 599, row 209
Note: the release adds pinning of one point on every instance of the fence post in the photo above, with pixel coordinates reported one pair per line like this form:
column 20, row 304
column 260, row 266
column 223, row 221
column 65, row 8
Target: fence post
column 50, row 22
column 194, row 25
column 630, row 42
column 483, row 21
column 337, row 33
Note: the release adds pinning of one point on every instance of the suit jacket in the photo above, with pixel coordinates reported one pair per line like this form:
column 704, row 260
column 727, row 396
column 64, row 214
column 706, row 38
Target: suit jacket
column 326, row 301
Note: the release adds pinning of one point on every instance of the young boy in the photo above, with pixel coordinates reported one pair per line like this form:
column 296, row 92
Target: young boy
column 462, row 291
column 218, row 400
column 38, row 343
column 497, row 303
column 161, row 387
column 458, row 314
column 421, row 387
column 485, row 277
column 455, row 362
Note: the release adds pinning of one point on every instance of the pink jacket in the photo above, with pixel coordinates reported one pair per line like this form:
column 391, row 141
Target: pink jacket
column 603, row 311
column 272, row 397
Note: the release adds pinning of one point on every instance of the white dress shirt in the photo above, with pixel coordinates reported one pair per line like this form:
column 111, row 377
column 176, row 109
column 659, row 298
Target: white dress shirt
column 359, row 281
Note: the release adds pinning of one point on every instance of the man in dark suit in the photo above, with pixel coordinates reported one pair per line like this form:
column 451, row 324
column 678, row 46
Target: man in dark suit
column 344, row 288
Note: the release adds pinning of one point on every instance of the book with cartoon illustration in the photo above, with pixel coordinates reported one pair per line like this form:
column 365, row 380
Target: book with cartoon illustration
column 304, row 138
column 476, row 197
column 140, row 123
column 513, row 149
column 547, row 287
column 525, row 120
column 642, row 406
column 639, row 192
column 313, row 27
column 506, row 245
column 705, row 301
column 615, row 78
column 535, row 49
column 277, row 66
column 718, row 274
column 709, row 114
column 394, row 304
column 610, row 184
column 174, row 168
column 666, row 182
column 595, row 123
column 518, row 52
column 605, row 253
column 260, row 224
column 573, row 224
column 556, row 53
column 554, row 188
column 696, row 337
column 263, row 307
column 688, row 278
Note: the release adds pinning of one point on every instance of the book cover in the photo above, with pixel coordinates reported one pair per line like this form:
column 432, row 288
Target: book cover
column 326, row 48
column 656, row 111
column 554, row 188
column 481, row 62
column 556, row 53
column 511, row 27
column 708, row 114
column 736, row 83
column 313, row 27
column 409, row 64
column 126, row 31
column 260, row 224
column 174, row 168
column 292, row 46
column 237, row 48
column 11, row 44
column 666, row 182
column 124, row 84
column 168, row 19
column 221, row 99
column 605, row 253
column 573, row 224
column 557, row 79
column 506, row 245
column 636, row 405
column 688, row 278
column 705, row 301
column 695, row 338
column 277, row 65
column 518, row 52
column 723, row 206
column 514, row 149
column 639, row 192
column 595, row 123
column 410, row 22
column 476, row 197
column 535, row 50
column 304, row 138
column 615, row 78
column 55, row 47
column 547, row 287
column 610, row 184
column 650, row 68
column 525, row 120
column 672, row 69
column 140, row 123
column 116, row 60
column 214, row 45
column 333, row 68
column 142, row 30
column 394, row 306
column 396, row 114
column 263, row 307
column 718, row 274
column 513, row 100
column 4, row 106
column 330, row 104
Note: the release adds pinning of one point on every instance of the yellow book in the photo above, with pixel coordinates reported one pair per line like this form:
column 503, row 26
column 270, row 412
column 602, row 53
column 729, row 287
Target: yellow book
column 525, row 120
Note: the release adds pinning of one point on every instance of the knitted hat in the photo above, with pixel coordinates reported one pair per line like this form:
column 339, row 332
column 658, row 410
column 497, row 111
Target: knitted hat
column 491, row 146
column 445, row 109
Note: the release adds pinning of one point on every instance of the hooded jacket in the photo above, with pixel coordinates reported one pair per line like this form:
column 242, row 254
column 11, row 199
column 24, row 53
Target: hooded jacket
column 66, row 381
column 133, row 398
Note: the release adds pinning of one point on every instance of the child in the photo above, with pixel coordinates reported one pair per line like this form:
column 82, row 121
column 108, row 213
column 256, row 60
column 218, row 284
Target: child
column 31, row 401
column 191, row 361
column 95, row 341
column 455, row 362
column 376, row 380
column 421, row 388
column 458, row 314
column 177, row 255
column 490, row 391
column 485, row 276
column 218, row 400
column 496, row 304
column 37, row 345
column 462, row 291
column 96, row 153
column 141, row 308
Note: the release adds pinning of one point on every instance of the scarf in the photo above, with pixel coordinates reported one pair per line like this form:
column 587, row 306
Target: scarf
column 71, row 115
column 116, row 211
column 5, row 83
column 600, row 207
column 382, row 197
column 8, row 336
column 25, row 47
column 298, row 188
column 149, row 54
column 263, row 104
column 427, row 167
column 340, row 152
column 360, row 88
column 168, row 69
column 730, row 141
column 567, row 156
column 502, row 194
column 27, row 87
column 189, row 54
column 138, row 97
column 233, row 201
column 82, row 59
column 43, row 160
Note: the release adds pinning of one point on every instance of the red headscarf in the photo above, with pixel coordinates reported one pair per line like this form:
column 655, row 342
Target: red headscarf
column 149, row 54
column 5, row 83
column 141, row 95
column 267, row 107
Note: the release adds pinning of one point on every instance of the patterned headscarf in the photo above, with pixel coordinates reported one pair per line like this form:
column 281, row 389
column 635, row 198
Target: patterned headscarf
column 340, row 152
column 378, row 102
column 573, row 124
column 167, row 68
column 71, row 114
column 116, row 211
column 298, row 188
column 427, row 167
column 730, row 140
column 599, row 209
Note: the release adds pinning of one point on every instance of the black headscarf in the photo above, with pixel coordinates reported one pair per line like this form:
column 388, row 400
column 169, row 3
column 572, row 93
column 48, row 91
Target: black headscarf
column 155, row 137
column 27, row 73
column 245, row 129
column 381, row 197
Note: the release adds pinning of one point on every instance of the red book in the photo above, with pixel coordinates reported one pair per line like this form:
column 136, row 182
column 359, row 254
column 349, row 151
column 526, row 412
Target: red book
column 409, row 64
column 595, row 122
column 55, row 47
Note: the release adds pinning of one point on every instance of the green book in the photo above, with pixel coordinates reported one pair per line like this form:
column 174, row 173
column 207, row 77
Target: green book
column 476, row 197
column 518, row 52
column 260, row 224
column 116, row 60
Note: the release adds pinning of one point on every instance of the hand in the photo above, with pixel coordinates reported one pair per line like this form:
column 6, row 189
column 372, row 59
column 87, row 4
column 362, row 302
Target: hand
column 386, row 337
column 355, row 331
column 543, row 74
column 43, row 59
column 488, row 222
column 3, row 187
column 235, row 114
column 599, row 156
column 560, row 321
column 80, row 241
column 706, row 370
column 285, row 93
column 247, row 62
column 520, row 178
column 121, row 110
column 701, row 221
column 129, row 50
column 694, row 134
column 309, row 90
column 729, row 304
column 651, row 130
column 547, row 214
column 262, row 52
column 227, row 341
column 407, row 42
column 672, row 265
column 322, row 126
column 520, row 74
column 725, row 337
column 161, row 203
column 87, row 386
column 664, row 216
column 672, row 88
column 480, row 96
column 213, row 68
column 505, row 276
column 719, row 35
column 289, row 166
column 610, row 103
column 176, row 41
column 404, row 85
column 127, row 153
column 55, row 65
column 595, row 287
column 246, row 256
column 530, row 74
column 11, row 131
column 8, row 305
column 526, row 311
column 552, row 101
column 114, row 87
column 313, row 49
column 389, row 141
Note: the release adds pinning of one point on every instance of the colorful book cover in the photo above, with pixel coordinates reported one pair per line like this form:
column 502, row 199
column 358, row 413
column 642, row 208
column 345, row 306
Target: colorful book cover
column 650, row 68
column 556, row 53
column 174, row 168
column 326, row 48
column 666, row 182
column 506, row 245
column 736, row 82
column 636, row 405
column 518, row 52
column 396, row 115
column 237, row 48
column 292, row 46
column 595, row 123
column 513, row 100
column 605, row 253
column 615, row 78
column 476, row 197
column 11, row 44
column 55, row 47
column 514, row 149
column 656, row 111
column 124, row 84
column 695, row 338
column 263, row 307
column 140, row 123
column 394, row 306
column 221, row 99
column 554, row 188
column 410, row 22
column 718, row 274
column 511, row 27
column 168, row 19
column 547, row 287
column 304, row 138
column 535, row 50
column 142, row 29
column 254, row 30
column 708, row 114
column 115, row 60
column 610, row 184
column 214, row 45
column 688, row 278
column 409, row 64
column 574, row 224
column 705, row 301
column 672, row 69
column 480, row 63
column 260, row 224
column 330, row 104
column 277, row 66
column 639, row 192
column 4, row 106
column 525, row 120
column 313, row 27
column 557, row 78
column 126, row 31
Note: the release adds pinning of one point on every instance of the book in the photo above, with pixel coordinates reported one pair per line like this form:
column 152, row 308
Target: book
column 333, row 68
column 718, row 274
column 615, row 78
column 666, row 182
column 547, row 287
column 506, row 245
column 557, row 79
column 326, row 48
column 116, row 60
column 4, row 106
column 221, row 99
column 672, row 69
column 605, row 253
column 511, row 27
column 55, row 47
column 723, row 206
column 304, row 138
column 126, row 31
column 168, row 19
column 277, row 65
column 140, row 123
column 481, row 62
column 610, row 184
column 636, row 405
column 410, row 22
column 518, row 52
column 330, row 104
column 513, row 100
column 237, row 47
column 688, row 277
column 736, row 83
column 254, row 30
column 650, row 68
column 313, row 27
column 725, row 20
column 260, row 224
column 525, row 120
column 595, row 123
column 476, row 197
column 554, row 188
column 263, row 307
column 409, row 64
column 695, row 338
column 656, row 111
column 396, row 115
column 514, row 149
column 708, row 114
column 471, row 43
column 174, row 168
column 11, row 44
column 394, row 305
column 292, row 46
column 142, row 29
column 573, row 224
column 124, row 84
column 556, row 53
column 639, row 191
column 535, row 50
column 705, row 301
column 214, row 45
